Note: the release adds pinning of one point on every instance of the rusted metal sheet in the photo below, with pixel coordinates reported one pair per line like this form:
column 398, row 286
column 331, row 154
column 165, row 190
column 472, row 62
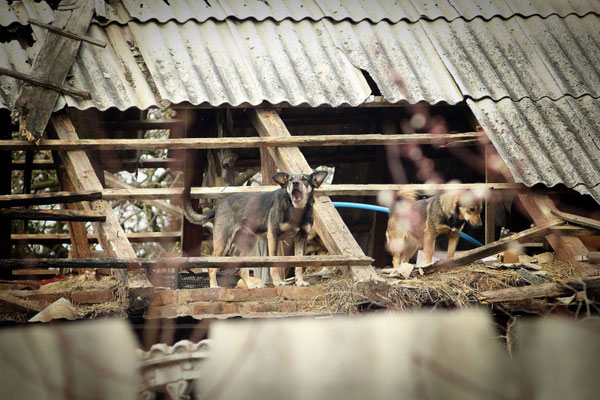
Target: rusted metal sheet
column 519, row 58
column 548, row 142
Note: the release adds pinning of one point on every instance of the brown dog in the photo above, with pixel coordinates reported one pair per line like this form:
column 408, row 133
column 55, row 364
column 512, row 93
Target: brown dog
column 417, row 223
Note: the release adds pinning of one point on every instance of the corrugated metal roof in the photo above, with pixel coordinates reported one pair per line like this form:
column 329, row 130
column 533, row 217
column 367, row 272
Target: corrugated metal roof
column 215, row 63
column 125, row 11
column 547, row 141
column 520, row 58
column 400, row 59
column 353, row 10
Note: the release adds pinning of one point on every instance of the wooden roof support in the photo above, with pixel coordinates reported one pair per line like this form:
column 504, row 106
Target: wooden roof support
column 328, row 190
column 540, row 208
column 34, row 105
column 329, row 225
column 222, row 262
column 490, row 249
column 63, row 32
column 239, row 142
column 22, row 200
column 52, row 215
column 51, row 239
column 82, row 175
column 173, row 210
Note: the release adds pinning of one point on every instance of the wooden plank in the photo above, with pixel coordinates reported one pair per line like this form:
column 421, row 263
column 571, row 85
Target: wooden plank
column 65, row 33
column 149, row 163
column 190, row 262
column 34, row 105
column 328, row 223
column 45, row 84
column 145, row 124
column 540, row 209
column 577, row 219
column 49, row 272
column 552, row 289
column 19, row 304
column 234, row 142
column 5, row 188
column 490, row 249
column 173, row 210
column 110, row 234
column 52, row 215
column 22, row 200
column 51, row 239
column 327, row 190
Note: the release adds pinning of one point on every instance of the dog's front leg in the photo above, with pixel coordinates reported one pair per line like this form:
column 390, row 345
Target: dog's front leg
column 453, row 238
column 272, row 248
column 428, row 246
column 299, row 248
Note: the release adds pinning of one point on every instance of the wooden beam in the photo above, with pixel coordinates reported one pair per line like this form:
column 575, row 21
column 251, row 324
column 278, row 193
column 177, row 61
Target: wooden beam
column 189, row 262
column 65, row 33
column 145, row 124
column 130, row 163
column 327, row 190
column 82, row 174
column 235, row 142
column 34, row 105
column 328, row 223
column 51, row 239
column 490, row 249
column 52, row 215
column 540, row 209
column 114, row 182
column 45, row 84
column 552, row 289
column 577, row 219
column 19, row 304
column 23, row 200
column 5, row 188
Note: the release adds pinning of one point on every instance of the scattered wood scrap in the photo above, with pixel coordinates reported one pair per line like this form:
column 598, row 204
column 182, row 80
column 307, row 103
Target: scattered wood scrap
column 490, row 249
column 552, row 289
column 578, row 219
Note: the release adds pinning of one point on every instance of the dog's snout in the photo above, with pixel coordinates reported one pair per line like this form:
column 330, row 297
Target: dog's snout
column 295, row 183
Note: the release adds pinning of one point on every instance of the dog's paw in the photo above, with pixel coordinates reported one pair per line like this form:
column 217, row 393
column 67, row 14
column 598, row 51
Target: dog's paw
column 280, row 283
column 302, row 283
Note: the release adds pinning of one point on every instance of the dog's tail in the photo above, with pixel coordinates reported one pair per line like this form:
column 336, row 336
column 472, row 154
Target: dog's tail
column 191, row 214
column 406, row 195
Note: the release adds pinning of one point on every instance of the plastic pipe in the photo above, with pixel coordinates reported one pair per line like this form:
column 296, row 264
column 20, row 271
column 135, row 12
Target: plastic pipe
column 371, row 207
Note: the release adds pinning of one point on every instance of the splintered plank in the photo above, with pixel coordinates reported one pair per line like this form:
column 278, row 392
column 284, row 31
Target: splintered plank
column 34, row 105
column 552, row 289
column 577, row 219
column 52, row 215
column 329, row 225
column 490, row 249
column 24, row 200
column 190, row 262
column 83, row 177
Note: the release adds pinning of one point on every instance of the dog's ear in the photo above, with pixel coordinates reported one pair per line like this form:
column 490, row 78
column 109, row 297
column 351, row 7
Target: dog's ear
column 318, row 177
column 449, row 202
column 281, row 178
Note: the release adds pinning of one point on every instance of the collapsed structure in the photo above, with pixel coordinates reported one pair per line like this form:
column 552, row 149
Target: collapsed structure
column 348, row 85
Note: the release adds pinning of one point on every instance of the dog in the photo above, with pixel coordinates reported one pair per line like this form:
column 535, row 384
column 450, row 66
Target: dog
column 415, row 224
column 283, row 214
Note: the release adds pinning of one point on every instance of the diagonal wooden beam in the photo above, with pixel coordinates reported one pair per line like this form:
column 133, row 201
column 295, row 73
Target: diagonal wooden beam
column 329, row 225
column 34, row 105
column 83, row 177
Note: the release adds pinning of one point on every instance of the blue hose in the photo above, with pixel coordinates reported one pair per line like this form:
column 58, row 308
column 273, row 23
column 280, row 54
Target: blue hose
column 371, row 207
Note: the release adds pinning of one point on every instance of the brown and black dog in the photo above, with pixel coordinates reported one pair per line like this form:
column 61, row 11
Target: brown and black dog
column 417, row 223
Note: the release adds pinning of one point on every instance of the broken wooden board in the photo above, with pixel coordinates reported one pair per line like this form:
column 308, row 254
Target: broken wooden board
column 52, row 215
column 18, row 304
column 35, row 104
column 329, row 225
column 577, row 219
column 83, row 177
column 490, row 249
column 540, row 209
column 45, row 198
column 552, row 289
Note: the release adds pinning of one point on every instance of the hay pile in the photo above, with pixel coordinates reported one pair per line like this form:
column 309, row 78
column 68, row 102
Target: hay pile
column 454, row 288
